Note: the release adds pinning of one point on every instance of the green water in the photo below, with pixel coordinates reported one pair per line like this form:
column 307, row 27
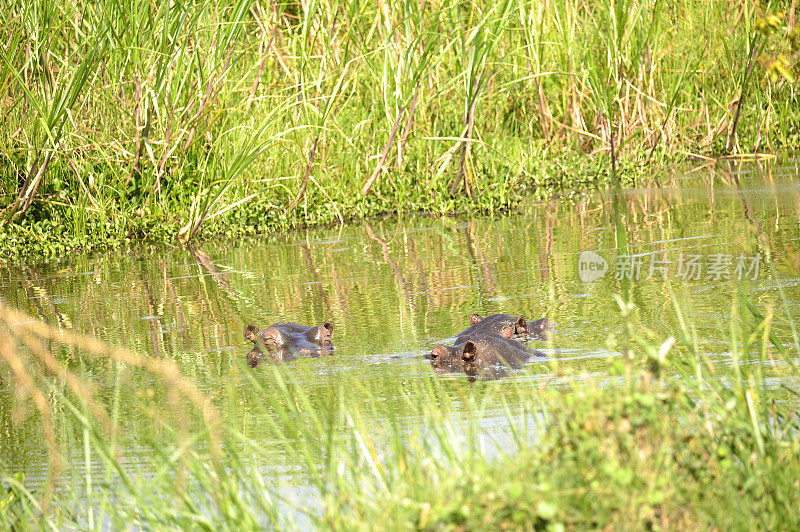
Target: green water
column 395, row 287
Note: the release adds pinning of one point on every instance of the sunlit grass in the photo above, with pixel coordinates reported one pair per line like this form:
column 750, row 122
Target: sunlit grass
column 167, row 121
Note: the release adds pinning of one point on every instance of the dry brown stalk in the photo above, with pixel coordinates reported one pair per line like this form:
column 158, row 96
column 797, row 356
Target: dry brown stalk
column 545, row 115
column 384, row 154
column 260, row 19
column 78, row 387
column 141, row 133
column 573, row 106
column 202, row 107
column 31, row 186
column 732, row 133
column 461, row 177
column 613, row 152
column 167, row 151
column 167, row 369
column 137, row 99
column 276, row 50
column 257, row 80
column 304, row 185
column 407, row 127
column 710, row 132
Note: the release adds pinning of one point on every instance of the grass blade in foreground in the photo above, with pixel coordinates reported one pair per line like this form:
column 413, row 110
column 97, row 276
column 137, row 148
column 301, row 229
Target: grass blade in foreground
column 649, row 444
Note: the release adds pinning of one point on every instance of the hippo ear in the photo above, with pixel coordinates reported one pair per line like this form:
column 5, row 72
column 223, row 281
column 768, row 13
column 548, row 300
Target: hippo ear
column 521, row 326
column 469, row 352
column 507, row 332
column 251, row 332
column 328, row 325
column 475, row 318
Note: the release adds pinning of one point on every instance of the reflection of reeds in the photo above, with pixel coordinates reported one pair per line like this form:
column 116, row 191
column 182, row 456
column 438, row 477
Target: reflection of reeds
column 486, row 278
column 39, row 294
column 314, row 274
column 153, row 318
column 398, row 272
column 352, row 283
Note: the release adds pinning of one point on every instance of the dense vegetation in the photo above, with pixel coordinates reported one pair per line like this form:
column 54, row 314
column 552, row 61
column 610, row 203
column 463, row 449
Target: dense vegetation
column 169, row 121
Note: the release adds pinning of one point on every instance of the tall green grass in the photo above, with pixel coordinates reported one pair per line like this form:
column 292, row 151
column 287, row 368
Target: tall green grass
column 671, row 436
column 139, row 119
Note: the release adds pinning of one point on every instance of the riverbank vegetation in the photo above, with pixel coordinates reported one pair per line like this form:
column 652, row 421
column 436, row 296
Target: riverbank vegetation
column 167, row 122
column 675, row 434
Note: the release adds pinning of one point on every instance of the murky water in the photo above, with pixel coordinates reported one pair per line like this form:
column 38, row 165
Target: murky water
column 394, row 288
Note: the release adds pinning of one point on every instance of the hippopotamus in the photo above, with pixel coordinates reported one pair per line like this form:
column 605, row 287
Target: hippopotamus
column 284, row 341
column 483, row 354
column 538, row 329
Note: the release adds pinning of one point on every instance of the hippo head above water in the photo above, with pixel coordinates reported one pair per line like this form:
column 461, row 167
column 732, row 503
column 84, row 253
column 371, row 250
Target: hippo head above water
column 292, row 337
column 480, row 351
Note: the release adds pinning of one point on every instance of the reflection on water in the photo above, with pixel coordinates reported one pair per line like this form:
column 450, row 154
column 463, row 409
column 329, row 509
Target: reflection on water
column 394, row 288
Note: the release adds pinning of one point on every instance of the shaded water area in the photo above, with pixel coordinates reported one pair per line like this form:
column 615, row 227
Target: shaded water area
column 395, row 287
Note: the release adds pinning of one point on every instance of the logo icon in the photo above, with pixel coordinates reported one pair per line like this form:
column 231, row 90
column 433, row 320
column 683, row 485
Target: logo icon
column 591, row 266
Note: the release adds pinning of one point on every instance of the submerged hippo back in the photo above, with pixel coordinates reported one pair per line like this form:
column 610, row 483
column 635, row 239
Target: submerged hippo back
column 495, row 350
